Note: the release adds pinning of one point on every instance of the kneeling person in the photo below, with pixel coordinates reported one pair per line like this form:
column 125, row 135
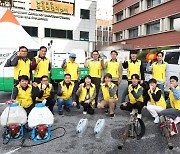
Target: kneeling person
column 25, row 94
column 66, row 94
column 46, row 93
column 87, row 94
column 107, row 97
column 135, row 94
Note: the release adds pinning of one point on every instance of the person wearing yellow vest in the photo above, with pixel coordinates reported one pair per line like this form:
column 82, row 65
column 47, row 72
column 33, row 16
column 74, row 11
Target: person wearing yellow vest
column 174, row 100
column 46, row 93
column 87, row 94
column 157, row 102
column 114, row 67
column 25, row 94
column 72, row 68
column 159, row 70
column 135, row 95
column 107, row 98
column 41, row 65
column 96, row 70
column 66, row 94
column 22, row 65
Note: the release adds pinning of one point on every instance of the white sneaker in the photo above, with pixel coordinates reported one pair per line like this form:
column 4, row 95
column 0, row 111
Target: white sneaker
column 84, row 112
column 177, row 120
column 139, row 116
column 134, row 111
column 156, row 121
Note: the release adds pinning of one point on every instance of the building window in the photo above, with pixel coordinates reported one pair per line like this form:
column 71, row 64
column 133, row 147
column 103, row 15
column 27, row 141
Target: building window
column 118, row 36
column 172, row 20
column 119, row 16
column 110, row 39
column 152, row 3
column 105, row 28
column 110, row 29
column 153, row 28
column 84, row 36
column 99, row 38
column 85, row 14
column 133, row 32
column 105, row 39
column 32, row 31
column 99, row 28
column 134, row 9
column 57, row 33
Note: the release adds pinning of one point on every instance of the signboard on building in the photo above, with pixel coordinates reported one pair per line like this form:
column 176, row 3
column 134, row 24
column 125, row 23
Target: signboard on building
column 53, row 6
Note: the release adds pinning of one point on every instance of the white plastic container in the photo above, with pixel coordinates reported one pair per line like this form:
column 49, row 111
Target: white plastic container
column 99, row 128
column 13, row 114
column 81, row 127
column 39, row 115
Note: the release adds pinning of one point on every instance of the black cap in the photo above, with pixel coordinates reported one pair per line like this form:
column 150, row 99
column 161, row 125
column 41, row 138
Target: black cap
column 133, row 52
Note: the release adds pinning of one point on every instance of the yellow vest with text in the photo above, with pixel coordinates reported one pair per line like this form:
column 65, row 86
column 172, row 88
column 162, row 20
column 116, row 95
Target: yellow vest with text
column 24, row 97
column 113, row 68
column 175, row 103
column 22, row 68
column 72, row 69
column 95, row 69
column 134, row 68
column 132, row 99
column 83, row 93
column 159, row 71
column 105, row 92
column 42, row 67
column 161, row 101
column 46, row 93
column 67, row 94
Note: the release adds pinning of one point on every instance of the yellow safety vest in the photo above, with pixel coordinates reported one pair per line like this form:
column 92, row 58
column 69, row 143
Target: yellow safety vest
column 113, row 68
column 132, row 99
column 24, row 97
column 161, row 101
column 22, row 68
column 46, row 93
column 83, row 93
column 72, row 69
column 175, row 103
column 67, row 94
column 95, row 69
column 159, row 71
column 42, row 67
column 134, row 68
column 105, row 92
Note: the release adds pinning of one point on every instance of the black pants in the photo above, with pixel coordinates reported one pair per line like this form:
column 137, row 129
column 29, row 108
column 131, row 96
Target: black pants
column 28, row 110
column 38, row 80
column 87, row 108
column 76, row 86
column 96, row 82
column 138, row 105
column 50, row 103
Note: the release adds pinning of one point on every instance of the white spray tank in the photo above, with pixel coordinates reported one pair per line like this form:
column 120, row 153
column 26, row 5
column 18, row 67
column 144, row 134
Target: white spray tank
column 81, row 127
column 13, row 114
column 40, row 114
column 99, row 128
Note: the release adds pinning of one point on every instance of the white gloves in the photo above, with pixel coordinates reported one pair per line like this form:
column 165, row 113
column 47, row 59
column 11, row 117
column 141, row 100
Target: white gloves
column 43, row 86
column 44, row 101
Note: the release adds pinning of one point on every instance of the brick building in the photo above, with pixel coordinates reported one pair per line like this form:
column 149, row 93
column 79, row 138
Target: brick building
column 145, row 23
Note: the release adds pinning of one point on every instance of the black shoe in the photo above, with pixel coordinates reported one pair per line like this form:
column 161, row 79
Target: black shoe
column 78, row 106
column 112, row 116
column 67, row 109
column 60, row 112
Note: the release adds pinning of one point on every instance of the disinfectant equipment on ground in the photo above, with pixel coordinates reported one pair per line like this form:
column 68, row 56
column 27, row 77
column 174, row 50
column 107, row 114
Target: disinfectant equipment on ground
column 81, row 127
column 99, row 128
column 40, row 120
column 14, row 118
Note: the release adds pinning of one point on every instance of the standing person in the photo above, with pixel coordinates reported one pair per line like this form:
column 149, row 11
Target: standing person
column 96, row 71
column 174, row 100
column 135, row 94
column 46, row 93
column 71, row 67
column 22, row 64
column 87, row 94
column 107, row 98
column 41, row 65
column 114, row 67
column 66, row 94
column 157, row 102
column 159, row 70
column 134, row 66
column 25, row 94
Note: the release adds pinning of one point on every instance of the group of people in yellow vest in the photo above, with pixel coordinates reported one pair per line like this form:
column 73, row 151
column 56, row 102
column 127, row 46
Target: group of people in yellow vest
column 98, row 89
